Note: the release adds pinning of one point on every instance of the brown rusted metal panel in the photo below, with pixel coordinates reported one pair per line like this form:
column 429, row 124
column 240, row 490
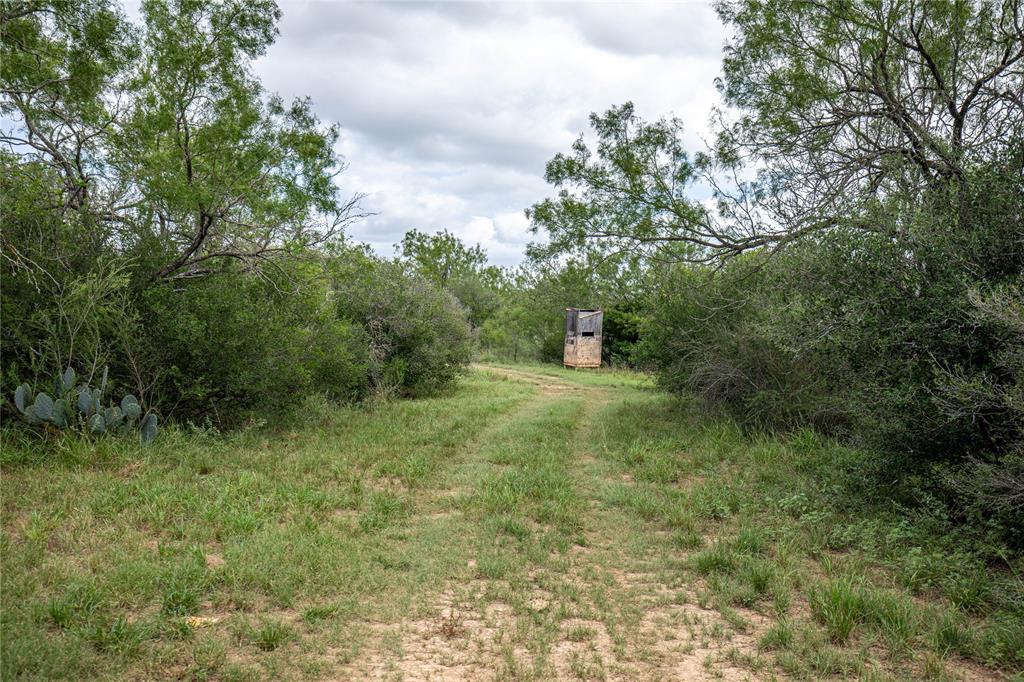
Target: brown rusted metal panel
column 582, row 338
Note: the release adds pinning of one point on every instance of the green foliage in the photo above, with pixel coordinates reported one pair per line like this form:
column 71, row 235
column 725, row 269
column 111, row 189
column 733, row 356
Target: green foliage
column 623, row 322
column 850, row 336
column 160, row 132
column 418, row 336
column 148, row 429
column 531, row 322
column 226, row 345
column 865, row 279
column 441, row 257
column 628, row 194
column 445, row 261
column 180, row 237
column 843, row 136
column 272, row 634
column 840, row 606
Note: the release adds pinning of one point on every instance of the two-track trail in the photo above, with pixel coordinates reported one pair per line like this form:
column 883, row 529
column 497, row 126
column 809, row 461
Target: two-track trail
column 562, row 583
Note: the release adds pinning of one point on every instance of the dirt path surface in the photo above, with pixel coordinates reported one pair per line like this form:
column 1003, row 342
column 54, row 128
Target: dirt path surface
column 600, row 606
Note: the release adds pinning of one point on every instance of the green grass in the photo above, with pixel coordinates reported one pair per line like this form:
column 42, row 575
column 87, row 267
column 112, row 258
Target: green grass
column 271, row 634
column 839, row 605
column 97, row 535
column 566, row 519
column 776, row 524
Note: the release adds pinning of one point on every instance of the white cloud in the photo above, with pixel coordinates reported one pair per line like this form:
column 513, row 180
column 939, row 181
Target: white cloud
column 513, row 228
column 449, row 111
column 479, row 230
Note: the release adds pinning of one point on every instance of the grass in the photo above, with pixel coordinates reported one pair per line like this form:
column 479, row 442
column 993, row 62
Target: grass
column 271, row 634
column 839, row 605
column 777, row 528
column 534, row 523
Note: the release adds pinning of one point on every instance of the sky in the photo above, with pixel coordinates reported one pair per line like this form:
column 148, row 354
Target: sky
column 449, row 111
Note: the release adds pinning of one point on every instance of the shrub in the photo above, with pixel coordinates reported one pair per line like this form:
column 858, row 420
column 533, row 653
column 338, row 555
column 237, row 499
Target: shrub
column 239, row 345
column 338, row 359
column 226, row 346
column 711, row 336
column 59, row 282
column 418, row 336
column 908, row 348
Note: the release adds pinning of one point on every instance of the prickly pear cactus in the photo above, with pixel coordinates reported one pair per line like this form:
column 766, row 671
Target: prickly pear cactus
column 81, row 408
column 43, row 407
column 130, row 407
column 23, row 397
column 112, row 417
column 149, row 428
column 61, row 414
column 84, row 401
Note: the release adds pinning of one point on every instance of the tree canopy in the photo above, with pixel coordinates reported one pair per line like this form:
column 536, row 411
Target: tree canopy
column 839, row 115
column 162, row 133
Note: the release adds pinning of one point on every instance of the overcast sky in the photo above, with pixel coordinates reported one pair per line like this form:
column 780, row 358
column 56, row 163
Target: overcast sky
column 450, row 110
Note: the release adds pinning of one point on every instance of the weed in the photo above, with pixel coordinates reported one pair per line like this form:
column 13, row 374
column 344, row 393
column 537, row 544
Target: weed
column 511, row 525
column 952, row 635
column 319, row 613
column 829, row 661
column 60, row 612
column 115, row 635
column 644, row 501
column 1002, row 641
column 272, row 634
column 895, row 616
column 384, row 509
column 495, row 565
column 584, row 666
column 77, row 604
column 778, row 636
column 791, row 663
column 580, row 633
column 687, row 539
column 208, row 658
column 180, row 600
column 718, row 558
column 714, row 500
column 752, row 541
column 840, row 606
column 660, row 468
column 736, row 621
column 933, row 668
column 759, row 575
column 451, row 625
column 970, row 588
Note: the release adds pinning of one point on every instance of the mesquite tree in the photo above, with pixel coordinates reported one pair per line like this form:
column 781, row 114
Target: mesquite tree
column 839, row 115
column 161, row 133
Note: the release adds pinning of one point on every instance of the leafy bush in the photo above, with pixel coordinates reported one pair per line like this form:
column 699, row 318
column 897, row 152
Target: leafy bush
column 418, row 335
column 194, row 270
column 713, row 336
column 238, row 343
column 233, row 345
column 913, row 356
column 225, row 347
column 338, row 360
column 65, row 293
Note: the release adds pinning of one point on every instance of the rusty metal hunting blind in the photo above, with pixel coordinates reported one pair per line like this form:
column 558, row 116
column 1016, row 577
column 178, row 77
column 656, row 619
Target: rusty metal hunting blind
column 582, row 338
